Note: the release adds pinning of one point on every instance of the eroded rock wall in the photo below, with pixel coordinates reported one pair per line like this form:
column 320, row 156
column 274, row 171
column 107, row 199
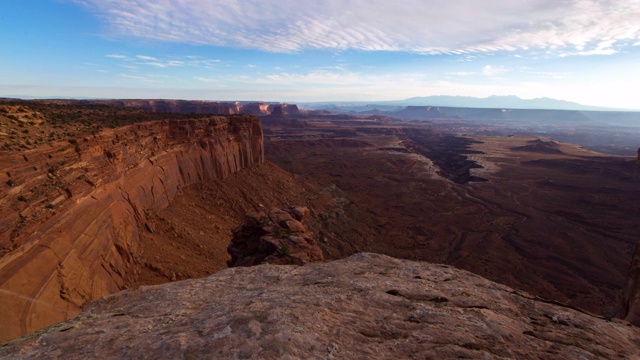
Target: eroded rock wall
column 70, row 223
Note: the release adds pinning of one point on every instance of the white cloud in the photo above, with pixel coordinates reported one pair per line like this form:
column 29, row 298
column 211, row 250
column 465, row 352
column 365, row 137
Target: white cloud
column 489, row 70
column 117, row 56
column 435, row 26
column 144, row 57
column 145, row 60
column 130, row 67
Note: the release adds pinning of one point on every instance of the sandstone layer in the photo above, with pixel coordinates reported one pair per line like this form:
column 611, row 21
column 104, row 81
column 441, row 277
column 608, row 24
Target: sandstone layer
column 74, row 212
column 363, row 307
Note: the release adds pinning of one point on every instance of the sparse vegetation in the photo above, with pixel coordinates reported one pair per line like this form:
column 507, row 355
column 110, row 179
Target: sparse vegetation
column 61, row 122
column 286, row 250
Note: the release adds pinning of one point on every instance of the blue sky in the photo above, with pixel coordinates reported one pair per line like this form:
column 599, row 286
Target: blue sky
column 585, row 51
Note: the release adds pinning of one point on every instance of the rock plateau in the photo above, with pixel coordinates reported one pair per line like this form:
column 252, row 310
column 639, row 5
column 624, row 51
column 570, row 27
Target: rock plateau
column 366, row 306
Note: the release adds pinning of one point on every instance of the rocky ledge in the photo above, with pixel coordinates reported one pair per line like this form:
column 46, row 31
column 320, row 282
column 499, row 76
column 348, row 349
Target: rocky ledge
column 364, row 306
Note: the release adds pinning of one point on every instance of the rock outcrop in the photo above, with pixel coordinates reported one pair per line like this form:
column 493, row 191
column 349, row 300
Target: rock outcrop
column 275, row 237
column 630, row 299
column 363, row 307
column 74, row 211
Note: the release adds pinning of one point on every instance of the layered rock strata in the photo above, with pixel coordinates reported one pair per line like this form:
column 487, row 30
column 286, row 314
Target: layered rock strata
column 366, row 306
column 73, row 214
column 275, row 237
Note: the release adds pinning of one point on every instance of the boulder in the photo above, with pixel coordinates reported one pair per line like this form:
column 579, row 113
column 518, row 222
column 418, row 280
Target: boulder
column 274, row 238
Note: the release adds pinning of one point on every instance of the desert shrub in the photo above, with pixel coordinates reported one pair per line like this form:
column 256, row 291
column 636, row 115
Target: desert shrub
column 286, row 250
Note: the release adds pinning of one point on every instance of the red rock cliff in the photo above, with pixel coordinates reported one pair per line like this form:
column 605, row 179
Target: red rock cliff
column 75, row 209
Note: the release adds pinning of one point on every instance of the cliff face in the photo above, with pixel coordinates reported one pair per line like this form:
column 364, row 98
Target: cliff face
column 364, row 306
column 73, row 214
column 630, row 299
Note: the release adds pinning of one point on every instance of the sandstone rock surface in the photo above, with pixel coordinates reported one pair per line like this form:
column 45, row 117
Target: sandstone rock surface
column 366, row 306
column 76, row 208
column 275, row 237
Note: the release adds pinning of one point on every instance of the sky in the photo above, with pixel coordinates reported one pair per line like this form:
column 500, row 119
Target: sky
column 586, row 51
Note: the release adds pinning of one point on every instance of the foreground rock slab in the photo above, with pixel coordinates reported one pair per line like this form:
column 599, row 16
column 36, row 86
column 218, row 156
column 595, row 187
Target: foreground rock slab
column 365, row 306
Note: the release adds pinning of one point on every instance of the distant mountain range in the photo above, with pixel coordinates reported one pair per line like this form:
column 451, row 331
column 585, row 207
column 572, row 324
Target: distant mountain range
column 491, row 102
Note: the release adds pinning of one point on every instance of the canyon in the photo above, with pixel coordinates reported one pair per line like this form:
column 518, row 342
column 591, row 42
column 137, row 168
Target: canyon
column 149, row 198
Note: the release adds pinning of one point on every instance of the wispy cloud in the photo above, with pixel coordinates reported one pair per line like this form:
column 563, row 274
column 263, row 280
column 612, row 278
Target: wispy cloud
column 489, row 70
column 143, row 79
column 436, row 26
column 145, row 57
column 117, row 56
column 152, row 61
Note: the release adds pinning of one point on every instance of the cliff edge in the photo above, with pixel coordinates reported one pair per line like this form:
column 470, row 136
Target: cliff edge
column 365, row 306
column 71, row 219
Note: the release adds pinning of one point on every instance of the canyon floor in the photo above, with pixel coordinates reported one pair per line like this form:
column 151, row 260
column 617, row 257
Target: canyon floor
column 547, row 217
column 539, row 215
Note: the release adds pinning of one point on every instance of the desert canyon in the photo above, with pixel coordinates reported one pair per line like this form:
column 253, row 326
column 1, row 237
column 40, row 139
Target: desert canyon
column 346, row 236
